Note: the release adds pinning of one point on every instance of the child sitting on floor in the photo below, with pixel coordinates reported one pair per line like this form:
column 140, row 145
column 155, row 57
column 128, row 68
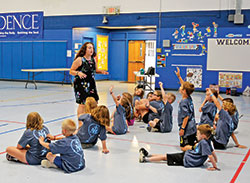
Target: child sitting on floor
column 208, row 109
column 122, row 114
column 165, row 122
column 94, row 127
column 71, row 157
column 28, row 149
column 190, row 158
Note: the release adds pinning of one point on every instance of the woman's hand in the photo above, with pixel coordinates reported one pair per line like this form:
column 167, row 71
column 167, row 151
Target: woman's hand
column 82, row 75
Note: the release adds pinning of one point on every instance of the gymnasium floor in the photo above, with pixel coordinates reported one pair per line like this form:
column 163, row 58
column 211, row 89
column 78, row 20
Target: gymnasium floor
column 56, row 102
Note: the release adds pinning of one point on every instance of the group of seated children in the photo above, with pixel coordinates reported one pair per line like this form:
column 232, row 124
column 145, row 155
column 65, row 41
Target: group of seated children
column 35, row 146
column 195, row 142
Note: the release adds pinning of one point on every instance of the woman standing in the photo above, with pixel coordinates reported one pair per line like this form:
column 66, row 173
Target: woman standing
column 84, row 68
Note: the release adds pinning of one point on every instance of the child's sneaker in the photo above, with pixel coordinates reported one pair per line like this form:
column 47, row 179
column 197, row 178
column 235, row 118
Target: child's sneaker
column 149, row 128
column 10, row 158
column 142, row 158
column 143, row 151
column 47, row 164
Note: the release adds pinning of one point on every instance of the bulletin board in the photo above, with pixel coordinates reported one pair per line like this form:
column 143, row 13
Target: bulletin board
column 102, row 52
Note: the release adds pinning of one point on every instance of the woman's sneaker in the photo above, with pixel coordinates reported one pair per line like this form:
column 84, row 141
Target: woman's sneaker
column 143, row 151
column 47, row 164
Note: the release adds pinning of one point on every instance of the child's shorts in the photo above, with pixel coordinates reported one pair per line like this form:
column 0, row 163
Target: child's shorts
column 145, row 118
column 218, row 145
column 175, row 159
column 58, row 162
column 188, row 140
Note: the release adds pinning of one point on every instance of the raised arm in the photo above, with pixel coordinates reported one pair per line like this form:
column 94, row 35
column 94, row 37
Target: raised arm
column 163, row 92
column 179, row 75
column 113, row 95
column 203, row 103
column 216, row 102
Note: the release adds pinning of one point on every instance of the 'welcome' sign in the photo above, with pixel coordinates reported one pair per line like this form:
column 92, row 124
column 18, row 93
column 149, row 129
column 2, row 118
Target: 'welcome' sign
column 21, row 25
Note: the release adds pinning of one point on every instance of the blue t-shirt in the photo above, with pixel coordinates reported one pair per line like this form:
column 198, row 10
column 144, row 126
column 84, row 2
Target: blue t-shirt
column 186, row 108
column 196, row 157
column 36, row 153
column 166, row 123
column 120, row 126
column 224, row 127
column 71, row 153
column 90, row 130
column 235, row 119
column 136, row 97
column 158, row 105
column 208, row 113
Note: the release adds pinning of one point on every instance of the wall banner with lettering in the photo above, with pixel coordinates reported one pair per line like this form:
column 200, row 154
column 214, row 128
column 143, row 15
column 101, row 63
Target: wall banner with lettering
column 21, row 25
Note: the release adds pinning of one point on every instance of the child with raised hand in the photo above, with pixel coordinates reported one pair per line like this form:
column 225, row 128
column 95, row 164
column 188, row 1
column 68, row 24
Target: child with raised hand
column 122, row 114
column 28, row 149
column 190, row 158
column 165, row 122
column 94, row 127
column 186, row 117
column 208, row 109
column 71, row 157
column 130, row 98
column 225, row 124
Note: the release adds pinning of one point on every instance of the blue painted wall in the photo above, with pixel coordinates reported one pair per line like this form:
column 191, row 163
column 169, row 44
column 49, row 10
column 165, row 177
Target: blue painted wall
column 60, row 28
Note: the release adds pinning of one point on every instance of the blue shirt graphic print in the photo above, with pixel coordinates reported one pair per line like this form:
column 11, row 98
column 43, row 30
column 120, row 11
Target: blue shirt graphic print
column 36, row 152
column 71, row 153
column 90, row 130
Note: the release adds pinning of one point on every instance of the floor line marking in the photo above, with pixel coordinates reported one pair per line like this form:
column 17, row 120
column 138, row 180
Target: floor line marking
column 240, row 167
column 160, row 144
column 12, row 121
column 4, row 124
column 21, row 128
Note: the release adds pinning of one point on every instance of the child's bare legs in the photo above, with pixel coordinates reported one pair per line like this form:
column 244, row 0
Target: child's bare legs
column 157, row 157
column 19, row 154
column 146, row 157
column 51, row 157
column 153, row 123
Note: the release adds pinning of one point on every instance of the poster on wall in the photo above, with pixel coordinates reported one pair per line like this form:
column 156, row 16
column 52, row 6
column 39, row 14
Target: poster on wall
column 21, row 25
column 194, row 76
column 102, row 52
column 227, row 79
column 161, row 60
